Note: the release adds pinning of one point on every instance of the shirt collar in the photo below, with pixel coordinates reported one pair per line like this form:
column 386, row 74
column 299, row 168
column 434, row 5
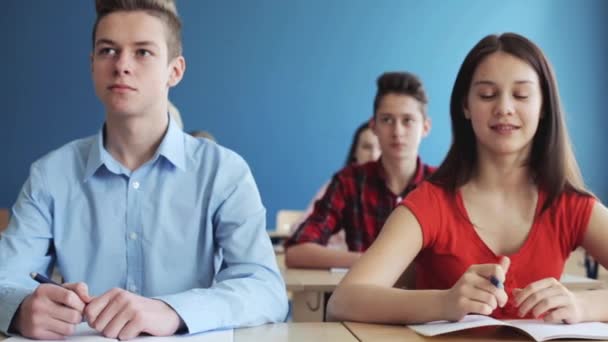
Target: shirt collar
column 417, row 178
column 171, row 148
column 94, row 158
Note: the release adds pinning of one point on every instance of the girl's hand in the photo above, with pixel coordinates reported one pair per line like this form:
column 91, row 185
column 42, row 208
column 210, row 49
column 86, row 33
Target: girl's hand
column 475, row 293
column 549, row 299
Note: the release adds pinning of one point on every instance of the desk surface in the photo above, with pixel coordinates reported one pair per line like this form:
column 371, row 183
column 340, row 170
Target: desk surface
column 295, row 332
column 291, row 332
column 351, row 332
column 4, row 218
column 388, row 333
column 278, row 235
column 311, row 280
column 578, row 283
column 299, row 279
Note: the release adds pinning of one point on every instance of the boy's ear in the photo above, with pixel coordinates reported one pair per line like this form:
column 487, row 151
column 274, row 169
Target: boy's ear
column 177, row 68
column 372, row 123
column 426, row 126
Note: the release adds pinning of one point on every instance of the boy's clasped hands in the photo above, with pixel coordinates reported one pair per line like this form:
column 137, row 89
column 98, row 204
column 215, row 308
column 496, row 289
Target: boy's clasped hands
column 52, row 312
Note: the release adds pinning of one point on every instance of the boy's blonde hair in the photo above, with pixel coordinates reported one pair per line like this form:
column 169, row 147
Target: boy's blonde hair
column 165, row 10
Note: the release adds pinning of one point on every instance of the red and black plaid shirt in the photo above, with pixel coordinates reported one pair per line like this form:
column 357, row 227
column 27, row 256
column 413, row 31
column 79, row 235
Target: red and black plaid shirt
column 358, row 200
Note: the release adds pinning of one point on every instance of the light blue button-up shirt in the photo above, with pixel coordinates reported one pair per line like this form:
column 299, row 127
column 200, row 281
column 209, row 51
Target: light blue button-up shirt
column 187, row 227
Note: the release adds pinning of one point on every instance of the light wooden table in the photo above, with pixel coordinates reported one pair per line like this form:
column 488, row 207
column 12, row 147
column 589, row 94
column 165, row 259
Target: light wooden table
column 295, row 332
column 273, row 234
column 580, row 283
column 308, row 289
column 388, row 333
column 4, row 218
column 291, row 332
column 364, row 332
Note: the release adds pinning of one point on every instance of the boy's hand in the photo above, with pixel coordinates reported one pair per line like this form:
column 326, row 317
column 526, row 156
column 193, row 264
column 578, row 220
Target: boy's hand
column 474, row 293
column 51, row 312
column 550, row 300
column 124, row 315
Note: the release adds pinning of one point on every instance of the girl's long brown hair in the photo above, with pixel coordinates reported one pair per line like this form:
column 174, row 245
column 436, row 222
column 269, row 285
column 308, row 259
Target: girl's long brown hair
column 551, row 160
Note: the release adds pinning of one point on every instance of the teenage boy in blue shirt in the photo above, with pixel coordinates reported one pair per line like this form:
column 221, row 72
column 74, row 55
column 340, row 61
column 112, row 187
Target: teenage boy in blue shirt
column 136, row 217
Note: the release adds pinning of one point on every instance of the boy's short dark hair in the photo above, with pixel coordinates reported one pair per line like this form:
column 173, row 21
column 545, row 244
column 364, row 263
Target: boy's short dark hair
column 165, row 10
column 401, row 83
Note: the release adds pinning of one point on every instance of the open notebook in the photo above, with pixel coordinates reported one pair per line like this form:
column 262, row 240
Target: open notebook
column 86, row 334
column 537, row 329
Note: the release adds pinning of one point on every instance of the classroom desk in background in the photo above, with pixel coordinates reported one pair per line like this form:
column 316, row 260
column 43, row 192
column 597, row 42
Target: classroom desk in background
column 4, row 218
column 277, row 239
column 308, row 289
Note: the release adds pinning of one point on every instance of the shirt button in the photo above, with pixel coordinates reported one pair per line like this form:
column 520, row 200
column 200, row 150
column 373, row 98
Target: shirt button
column 136, row 185
column 133, row 288
column 133, row 236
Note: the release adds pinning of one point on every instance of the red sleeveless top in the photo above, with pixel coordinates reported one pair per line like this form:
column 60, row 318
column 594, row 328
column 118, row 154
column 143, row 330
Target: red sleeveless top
column 451, row 244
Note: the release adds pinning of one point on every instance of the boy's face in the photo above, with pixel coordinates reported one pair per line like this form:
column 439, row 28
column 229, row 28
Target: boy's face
column 400, row 125
column 131, row 72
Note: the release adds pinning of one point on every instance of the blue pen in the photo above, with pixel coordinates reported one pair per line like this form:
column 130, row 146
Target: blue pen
column 497, row 283
column 42, row 279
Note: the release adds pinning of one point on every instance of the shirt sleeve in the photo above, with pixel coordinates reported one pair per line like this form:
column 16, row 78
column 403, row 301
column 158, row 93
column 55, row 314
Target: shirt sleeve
column 425, row 204
column 25, row 246
column 326, row 218
column 310, row 207
column 248, row 290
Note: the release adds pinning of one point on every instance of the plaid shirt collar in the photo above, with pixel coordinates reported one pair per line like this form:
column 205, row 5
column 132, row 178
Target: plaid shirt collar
column 419, row 175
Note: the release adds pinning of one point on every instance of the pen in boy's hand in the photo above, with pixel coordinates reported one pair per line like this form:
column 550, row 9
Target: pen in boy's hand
column 42, row 279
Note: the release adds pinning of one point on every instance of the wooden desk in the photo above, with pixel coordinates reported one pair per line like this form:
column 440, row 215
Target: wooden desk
column 384, row 333
column 308, row 288
column 295, row 332
column 277, row 238
column 580, row 283
column 4, row 217
column 311, row 280
column 352, row 331
column 291, row 332
column 388, row 333
column 278, row 235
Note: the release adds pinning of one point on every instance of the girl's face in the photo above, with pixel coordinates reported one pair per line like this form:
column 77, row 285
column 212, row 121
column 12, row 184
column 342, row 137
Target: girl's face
column 368, row 147
column 504, row 105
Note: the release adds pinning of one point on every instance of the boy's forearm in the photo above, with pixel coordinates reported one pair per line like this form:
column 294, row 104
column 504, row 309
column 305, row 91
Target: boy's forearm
column 312, row 255
column 376, row 304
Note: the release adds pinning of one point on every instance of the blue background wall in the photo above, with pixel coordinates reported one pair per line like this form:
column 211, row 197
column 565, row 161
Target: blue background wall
column 284, row 83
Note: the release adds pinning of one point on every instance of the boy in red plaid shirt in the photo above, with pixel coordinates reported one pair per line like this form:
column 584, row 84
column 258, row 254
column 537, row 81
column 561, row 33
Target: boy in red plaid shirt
column 360, row 197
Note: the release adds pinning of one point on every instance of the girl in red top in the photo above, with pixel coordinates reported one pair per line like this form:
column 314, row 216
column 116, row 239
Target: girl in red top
column 491, row 230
